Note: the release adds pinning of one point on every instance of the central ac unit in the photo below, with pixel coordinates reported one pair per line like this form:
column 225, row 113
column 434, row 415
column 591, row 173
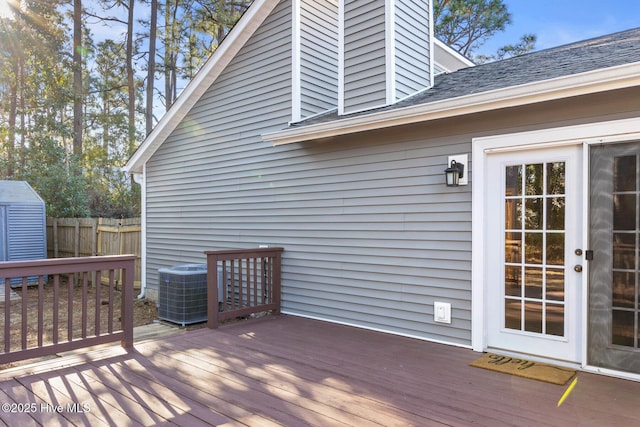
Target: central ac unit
column 182, row 293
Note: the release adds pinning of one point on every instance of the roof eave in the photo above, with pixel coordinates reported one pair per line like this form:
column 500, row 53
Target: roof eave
column 210, row 71
column 601, row 80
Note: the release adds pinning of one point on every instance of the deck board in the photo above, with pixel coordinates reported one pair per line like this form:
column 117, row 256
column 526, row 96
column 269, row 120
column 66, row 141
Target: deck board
column 291, row 371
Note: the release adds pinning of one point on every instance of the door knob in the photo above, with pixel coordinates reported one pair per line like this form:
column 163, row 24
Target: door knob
column 578, row 268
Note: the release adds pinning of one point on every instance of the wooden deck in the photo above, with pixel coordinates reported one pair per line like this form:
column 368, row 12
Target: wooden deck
column 284, row 370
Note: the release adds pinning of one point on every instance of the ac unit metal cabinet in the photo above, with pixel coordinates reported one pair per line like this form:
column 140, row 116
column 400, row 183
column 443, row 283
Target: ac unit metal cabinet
column 182, row 293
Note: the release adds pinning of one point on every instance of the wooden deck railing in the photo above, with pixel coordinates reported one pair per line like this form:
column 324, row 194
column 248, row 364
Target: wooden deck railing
column 250, row 283
column 41, row 317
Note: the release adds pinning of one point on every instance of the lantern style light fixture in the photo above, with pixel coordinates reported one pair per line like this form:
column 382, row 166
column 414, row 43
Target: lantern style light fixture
column 454, row 173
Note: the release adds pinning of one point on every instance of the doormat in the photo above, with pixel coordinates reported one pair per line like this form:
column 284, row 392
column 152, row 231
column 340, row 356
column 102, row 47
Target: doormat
column 524, row 368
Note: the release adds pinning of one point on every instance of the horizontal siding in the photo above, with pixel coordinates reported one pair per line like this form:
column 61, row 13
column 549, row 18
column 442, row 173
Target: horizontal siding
column 371, row 234
column 365, row 78
column 252, row 94
column 26, row 232
column 412, row 60
column 319, row 56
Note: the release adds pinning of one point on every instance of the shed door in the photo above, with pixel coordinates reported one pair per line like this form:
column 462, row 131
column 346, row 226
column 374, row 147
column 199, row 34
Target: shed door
column 533, row 228
column 3, row 233
column 614, row 273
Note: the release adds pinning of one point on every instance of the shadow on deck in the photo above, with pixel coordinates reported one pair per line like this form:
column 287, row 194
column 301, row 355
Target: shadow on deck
column 285, row 370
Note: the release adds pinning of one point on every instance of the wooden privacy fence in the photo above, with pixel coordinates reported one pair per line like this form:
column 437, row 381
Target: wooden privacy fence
column 251, row 283
column 82, row 237
column 57, row 316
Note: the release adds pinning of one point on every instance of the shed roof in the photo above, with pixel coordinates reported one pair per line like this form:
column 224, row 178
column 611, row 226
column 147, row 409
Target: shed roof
column 18, row 192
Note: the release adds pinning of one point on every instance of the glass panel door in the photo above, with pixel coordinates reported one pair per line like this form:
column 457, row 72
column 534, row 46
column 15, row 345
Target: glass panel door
column 533, row 227
column 614, row 298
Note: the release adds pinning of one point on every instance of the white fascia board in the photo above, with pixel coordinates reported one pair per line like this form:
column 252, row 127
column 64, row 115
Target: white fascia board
column 210, row 71
column 601, row 80
column 432, row 51
column 296, row 58
column 390, row 50
column 341, row 57
column 449, row 58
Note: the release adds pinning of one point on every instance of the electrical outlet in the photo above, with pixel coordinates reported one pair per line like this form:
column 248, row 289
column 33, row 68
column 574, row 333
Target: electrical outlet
column 442, row 312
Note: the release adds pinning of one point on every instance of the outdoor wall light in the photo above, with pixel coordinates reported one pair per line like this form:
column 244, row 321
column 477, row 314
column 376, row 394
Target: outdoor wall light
column 453, row 173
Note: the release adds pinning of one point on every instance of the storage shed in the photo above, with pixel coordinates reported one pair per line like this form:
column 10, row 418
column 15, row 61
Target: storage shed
column 23, row 232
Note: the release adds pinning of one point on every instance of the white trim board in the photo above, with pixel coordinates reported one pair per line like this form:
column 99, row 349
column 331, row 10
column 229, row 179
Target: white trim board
column 601, row 80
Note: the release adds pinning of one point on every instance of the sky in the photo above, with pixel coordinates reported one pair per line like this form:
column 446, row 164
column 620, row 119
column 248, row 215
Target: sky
column 554, row 22
column 558, row 22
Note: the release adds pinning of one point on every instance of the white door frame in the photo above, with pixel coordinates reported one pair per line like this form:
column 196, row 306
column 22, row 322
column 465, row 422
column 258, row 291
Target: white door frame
column 593, row 133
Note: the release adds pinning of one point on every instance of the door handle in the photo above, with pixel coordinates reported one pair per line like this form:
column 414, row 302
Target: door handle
column 578, row 268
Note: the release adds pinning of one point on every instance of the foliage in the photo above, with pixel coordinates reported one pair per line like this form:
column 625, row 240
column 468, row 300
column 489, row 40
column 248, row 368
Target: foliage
column 41, row 118
column 37, row 131
column 465, row 25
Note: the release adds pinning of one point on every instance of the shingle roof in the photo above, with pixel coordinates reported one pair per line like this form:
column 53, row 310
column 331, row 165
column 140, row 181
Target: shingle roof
column 575, row 58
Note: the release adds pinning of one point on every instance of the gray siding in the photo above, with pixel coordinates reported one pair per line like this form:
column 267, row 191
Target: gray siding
column 26, row 231
column 210, row 157
column 365, row 78
column 22, row 224
column 319, row 56
column 372, row 235
column 412, row 60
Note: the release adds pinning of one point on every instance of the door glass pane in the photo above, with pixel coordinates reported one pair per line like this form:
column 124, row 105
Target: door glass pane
column 624, row 289
column 533, row 317
column 534, row 282
column 513, row 314
column 513, row 247
column 533, row 213
column 534, row 180
column 622, row 328
column 533, row 248
column 513, row 214
column 555, row 284
column 624, row 173
column 555, row 178
column 624, row 212
column 555, row 319
column 555, row 213
column 555, row 248
column 513, row 281
column 624, row 251
column 513, row 181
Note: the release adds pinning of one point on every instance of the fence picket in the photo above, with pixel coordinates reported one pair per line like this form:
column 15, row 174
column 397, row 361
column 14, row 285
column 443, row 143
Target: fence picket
column 81, row 237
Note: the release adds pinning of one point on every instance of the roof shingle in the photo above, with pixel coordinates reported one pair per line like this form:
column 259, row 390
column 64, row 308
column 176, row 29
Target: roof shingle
column 575, row 58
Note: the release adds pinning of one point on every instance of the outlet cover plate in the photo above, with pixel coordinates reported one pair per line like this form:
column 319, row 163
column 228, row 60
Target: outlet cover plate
column 442, row 312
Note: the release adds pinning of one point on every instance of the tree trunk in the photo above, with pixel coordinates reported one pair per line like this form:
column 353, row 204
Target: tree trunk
column 77, row 78
column 151, row 65
column 171, row 44
column 13, row 111
column 130, row 80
